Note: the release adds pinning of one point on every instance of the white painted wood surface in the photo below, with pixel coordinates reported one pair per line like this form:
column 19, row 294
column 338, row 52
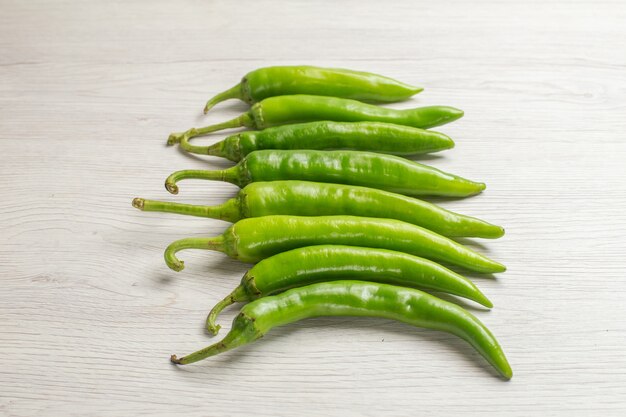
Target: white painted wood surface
column 89, row 314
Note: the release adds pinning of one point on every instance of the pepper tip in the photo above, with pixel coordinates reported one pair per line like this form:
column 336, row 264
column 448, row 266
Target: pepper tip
column 486, row 302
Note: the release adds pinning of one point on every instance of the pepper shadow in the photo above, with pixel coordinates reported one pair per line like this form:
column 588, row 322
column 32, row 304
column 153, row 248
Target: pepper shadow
column 224, row 263
column 461, row 302
column 425, row 157
column 472, row 243
column 466, row 272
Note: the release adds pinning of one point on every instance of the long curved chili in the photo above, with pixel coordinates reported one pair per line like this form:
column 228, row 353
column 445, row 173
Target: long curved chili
column 251, row 240
column 368, row 169
column 324, row 135
column 304, row 198
column 281, row 110
column 356, row 298
column 302, row 79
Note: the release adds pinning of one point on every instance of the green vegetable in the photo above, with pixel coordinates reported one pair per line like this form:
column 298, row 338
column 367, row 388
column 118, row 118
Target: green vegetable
column 356, row 298
column 360, row 136
column 282, row 110
column 304, row 198
column 304, row 266
column 384, row 172
column 251, row 240
column 279, row 81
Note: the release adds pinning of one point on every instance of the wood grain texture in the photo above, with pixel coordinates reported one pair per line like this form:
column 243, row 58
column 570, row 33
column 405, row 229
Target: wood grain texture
column 89, row 314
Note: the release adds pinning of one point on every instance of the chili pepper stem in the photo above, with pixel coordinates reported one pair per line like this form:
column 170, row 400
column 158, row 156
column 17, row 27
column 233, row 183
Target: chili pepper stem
column 238, row 295
column 229, row 175
column 212, row 350
column 243, row 331
column 208, row 243
column 229, row 211
column 239, row 121
column 215, row 149
column 178, row 136
column 233, row 92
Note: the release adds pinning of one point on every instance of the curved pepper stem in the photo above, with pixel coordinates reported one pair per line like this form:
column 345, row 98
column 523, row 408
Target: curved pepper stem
column 234, row 92
column 215, row 149
column 242, row 332
column 239, row 121
column 207, row 243
column 238, row 295
column 228, row 211
column 229, row 175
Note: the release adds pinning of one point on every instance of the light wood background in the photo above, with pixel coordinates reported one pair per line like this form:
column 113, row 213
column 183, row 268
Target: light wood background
column 89, row 313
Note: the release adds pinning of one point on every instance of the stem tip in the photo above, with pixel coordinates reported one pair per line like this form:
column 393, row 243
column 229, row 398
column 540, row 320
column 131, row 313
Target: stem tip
column 213, row 329
column 175, row 138
column 138, row 203
column 171, row 187
column 177, row 265
column 175, row 360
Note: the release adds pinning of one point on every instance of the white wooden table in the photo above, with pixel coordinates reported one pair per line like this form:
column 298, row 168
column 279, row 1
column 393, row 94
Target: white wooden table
column 89, row 313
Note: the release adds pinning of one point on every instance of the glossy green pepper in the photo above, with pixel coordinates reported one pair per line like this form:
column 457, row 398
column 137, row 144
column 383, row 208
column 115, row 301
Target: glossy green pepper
column 357, row 298
column 304, row 198
column 251, row 240
column 368, row 169
column 283, row 110
column 336, row 82
column 358, row 136
column 311, row 264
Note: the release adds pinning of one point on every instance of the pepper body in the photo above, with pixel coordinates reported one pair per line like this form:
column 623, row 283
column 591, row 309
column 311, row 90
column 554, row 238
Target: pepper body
column 368, row 169
column 308, row 265
column 305, row 198
column 323, row 135
column 337, row 82
column 301, row 108
column 335, row 262
column 356, row 298
column 251, row 240
column 281, row 110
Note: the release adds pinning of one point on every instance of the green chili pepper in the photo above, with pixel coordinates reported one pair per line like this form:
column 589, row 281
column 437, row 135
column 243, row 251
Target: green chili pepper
column 282, row 110
column 360, row 136
column 356, row 298
column 304, row 266
column 304, row 198
column 279, row 81
column 384, row 172
column 251, row 240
